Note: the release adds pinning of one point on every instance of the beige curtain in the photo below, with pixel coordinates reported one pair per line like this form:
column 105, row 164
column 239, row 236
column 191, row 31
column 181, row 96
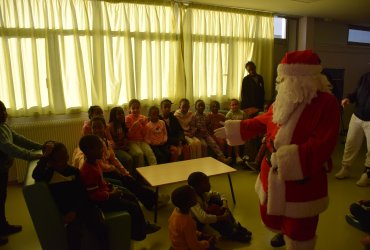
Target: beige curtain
column 61, row 56
column 218, row 43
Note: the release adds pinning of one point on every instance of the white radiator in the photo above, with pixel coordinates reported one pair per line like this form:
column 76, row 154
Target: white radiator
column 67, row 131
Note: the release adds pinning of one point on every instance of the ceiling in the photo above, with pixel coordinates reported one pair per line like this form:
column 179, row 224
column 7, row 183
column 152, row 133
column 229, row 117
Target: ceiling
column 356, row 12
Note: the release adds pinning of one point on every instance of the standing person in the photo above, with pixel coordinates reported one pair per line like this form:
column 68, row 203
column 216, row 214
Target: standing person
column 301, row 133
column 118, row 131
column 12, row 145
column 135, row 123
column 235, row 113
column 181, row 226
column 70, row 196
column 200, row 124
column 156, row 137
column 175, row 133
column 107, row 197
column 359, row 129
column 184, row 116
column 253, row 91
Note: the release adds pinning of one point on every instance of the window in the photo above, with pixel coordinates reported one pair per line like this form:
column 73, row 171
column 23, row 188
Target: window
column 359, row 35
column 280, row 27
column 61, row 56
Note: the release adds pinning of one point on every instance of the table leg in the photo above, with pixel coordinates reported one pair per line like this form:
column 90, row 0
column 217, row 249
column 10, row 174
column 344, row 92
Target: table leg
column 231, row 188
column 156, row 205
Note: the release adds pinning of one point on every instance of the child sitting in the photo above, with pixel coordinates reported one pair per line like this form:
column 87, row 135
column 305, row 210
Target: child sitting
column 70, row 195
column 156, row 137
column 113, row 169
column 93, row 111
column 118, row 131
column 135, row 123
column 175, row 133
column 110, row 198
column 200, row 125
column 216, row 119
column 235, row 113
column 184, row 117
column 181, row 226
column 212, row 209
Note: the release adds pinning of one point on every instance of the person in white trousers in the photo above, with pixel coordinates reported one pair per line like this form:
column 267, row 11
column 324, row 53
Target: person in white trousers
column 359, row 129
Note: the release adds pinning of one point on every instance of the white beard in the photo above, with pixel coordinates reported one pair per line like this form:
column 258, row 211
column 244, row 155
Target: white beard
column 293, row 91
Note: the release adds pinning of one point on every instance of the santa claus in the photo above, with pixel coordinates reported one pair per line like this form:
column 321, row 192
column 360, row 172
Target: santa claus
column 301, row 130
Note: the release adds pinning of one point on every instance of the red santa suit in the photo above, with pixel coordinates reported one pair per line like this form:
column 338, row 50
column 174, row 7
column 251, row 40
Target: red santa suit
column 301, row 131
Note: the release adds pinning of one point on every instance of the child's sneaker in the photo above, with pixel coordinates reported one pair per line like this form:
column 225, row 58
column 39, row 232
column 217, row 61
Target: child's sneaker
column 354, row 222
column 225, row 160
column 244, row 230
column 163, row 200
column 238, row 160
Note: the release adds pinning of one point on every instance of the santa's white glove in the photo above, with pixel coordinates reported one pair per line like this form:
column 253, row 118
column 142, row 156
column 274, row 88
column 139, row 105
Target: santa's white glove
column 220, row 133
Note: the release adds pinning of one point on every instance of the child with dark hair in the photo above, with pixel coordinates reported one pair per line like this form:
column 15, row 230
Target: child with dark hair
column 156, row 137
column 212, row 209
column 12, row 145
column 135, row 123
column 200, row 124
column 184, row 116
column 93, row 111
column 107, row 197
column 113, row 169
column 118, row 130
column 175, row 133
column 216, row 119
column 181, row 226
column 70, row 196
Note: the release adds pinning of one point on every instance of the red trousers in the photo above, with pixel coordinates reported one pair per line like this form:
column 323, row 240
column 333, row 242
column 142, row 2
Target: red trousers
column 298, row 229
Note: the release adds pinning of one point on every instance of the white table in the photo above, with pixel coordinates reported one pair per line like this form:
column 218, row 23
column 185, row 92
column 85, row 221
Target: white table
column 164, row 174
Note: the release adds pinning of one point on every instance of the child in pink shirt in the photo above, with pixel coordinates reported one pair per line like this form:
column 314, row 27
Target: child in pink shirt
column 156, row 136
column 182, row 229
column 135, row 123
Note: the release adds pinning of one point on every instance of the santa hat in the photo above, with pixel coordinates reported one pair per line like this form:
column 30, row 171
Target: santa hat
column 300, row 63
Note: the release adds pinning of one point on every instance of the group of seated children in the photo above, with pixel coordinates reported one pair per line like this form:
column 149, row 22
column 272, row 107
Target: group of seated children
column 198, row 213
column 138, row 140
column 111, row 152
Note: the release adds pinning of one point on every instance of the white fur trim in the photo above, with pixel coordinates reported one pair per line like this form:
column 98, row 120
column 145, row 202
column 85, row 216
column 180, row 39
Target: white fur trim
column 232, row 130
column 276, row 197
column 299, row 245
column 285, row 132
column 258, row 188
column 288, row 162
column 307, row 208
column 299, row 69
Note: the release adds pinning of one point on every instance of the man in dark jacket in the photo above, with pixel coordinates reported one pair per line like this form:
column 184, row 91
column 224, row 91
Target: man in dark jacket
column 253, row 91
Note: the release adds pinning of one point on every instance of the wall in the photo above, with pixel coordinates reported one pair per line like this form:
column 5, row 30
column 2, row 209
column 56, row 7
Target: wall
column 330, row 43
